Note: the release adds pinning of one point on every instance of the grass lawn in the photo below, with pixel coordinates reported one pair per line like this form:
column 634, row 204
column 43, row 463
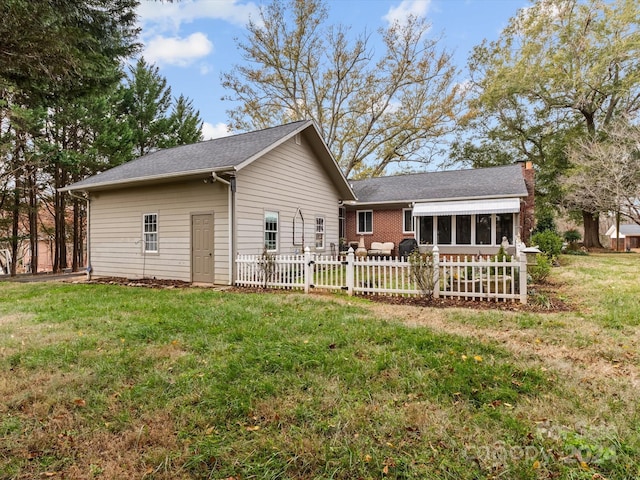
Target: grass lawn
column 105, row 381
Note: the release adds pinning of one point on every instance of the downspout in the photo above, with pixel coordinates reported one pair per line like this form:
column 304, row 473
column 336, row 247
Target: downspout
column 88, row 200
column 232, row 232
column 232, row 222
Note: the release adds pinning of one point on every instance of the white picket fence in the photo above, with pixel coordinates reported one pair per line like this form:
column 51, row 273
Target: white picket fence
column 480, row 278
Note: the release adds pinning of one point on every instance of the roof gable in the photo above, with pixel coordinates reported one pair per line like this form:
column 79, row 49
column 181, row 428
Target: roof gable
column 493, row 182
column 221, row 154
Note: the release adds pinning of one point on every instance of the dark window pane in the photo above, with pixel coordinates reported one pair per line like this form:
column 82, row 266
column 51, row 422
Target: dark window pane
column 463, row 230
column 426, row 230
column 444, row 230
column 483, row 229
column 408, row 221
column 504, row 227
column 365, row 222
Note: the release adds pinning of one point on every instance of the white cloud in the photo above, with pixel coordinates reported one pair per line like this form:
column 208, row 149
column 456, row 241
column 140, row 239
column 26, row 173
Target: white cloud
column 177, row 51
column 164, row 16
column 218, row 130
column 418, row 8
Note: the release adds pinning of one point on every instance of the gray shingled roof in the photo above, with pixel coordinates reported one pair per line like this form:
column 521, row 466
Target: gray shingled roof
column 630, row 229
column 496, row 182
column 212, row 155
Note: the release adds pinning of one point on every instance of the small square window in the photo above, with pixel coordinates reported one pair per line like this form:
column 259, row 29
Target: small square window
column 365, row 221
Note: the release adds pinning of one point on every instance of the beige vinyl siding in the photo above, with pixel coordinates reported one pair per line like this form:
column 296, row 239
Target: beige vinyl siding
column 116, row 230
column 285, row 179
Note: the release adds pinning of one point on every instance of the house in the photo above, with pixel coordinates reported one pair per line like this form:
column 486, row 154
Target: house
column 629, row 236
column 24, row 257
column 184, row 213
column 463, row 211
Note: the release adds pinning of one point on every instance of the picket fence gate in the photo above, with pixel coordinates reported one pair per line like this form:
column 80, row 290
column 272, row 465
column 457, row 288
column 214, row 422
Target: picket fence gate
column 482, row 278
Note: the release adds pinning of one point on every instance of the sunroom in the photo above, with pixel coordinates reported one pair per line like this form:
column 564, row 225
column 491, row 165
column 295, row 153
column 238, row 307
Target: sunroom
column 479, row 225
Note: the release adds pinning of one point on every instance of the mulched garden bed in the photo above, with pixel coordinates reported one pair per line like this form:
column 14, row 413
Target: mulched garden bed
column 541, row 299
column 538, row 303
column 140, row 282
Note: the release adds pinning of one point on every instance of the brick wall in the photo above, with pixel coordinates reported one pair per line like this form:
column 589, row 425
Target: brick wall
column 387, row 227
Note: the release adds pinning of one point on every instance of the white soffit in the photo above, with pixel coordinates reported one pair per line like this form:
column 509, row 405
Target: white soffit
column 467, row 207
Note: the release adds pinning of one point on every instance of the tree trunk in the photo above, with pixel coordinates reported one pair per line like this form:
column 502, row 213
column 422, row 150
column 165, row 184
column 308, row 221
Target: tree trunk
column 591, row 223
column 60, row 258
column 33, row 222
column 617, row 231
column 15, row 227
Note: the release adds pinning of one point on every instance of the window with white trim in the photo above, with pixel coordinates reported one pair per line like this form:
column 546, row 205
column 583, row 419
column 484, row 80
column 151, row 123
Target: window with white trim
column 150, row 232
column 425, row 225
column 271, row 231
column 483, row 229
column 407, row 220
column 320, row 233
column 444, row 229
column 365, row 221
column 463, row 229
column 504, row 227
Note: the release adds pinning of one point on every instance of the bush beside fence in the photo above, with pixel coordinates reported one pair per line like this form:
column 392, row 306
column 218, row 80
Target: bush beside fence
column 480, row 278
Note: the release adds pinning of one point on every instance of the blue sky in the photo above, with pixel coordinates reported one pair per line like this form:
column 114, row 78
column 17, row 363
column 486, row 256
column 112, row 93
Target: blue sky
column 193, row 41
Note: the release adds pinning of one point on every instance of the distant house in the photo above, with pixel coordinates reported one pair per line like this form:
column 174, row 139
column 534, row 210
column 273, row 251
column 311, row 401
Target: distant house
column 184, row 213
column 463, row 211
column 629, row 236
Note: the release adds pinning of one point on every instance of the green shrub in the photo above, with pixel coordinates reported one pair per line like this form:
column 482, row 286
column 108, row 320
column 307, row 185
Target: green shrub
column 541, row 271
column 572, row 236
column 549, row 242
column 545, row 221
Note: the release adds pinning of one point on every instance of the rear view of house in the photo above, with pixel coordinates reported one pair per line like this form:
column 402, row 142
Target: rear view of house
column 184, row 213
column 462, row 212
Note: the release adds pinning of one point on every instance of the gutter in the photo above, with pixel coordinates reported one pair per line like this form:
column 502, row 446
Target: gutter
column 138, row 180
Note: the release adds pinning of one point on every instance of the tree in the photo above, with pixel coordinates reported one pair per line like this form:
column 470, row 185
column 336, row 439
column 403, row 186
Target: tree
column 146, row 101
column 577, row 60
column 372, row 111
column 185, row 124
column 618, row 190
column 51, row 52
column 64, row 47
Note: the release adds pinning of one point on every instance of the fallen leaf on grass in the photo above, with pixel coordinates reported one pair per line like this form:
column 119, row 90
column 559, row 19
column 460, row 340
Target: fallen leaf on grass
column 80, row 402
column 253, row 428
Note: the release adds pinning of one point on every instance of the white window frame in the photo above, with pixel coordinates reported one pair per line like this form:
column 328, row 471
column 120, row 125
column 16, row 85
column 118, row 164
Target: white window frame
column 413, row 221
column 359, row 230
column 474, row 217
column 276, row 231
column 319, row 233
column 148, row 235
